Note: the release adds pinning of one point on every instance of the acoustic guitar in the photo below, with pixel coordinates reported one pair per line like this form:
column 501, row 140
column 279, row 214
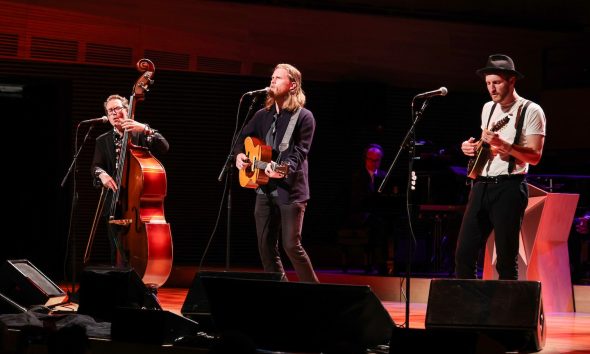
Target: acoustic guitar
column 482, row 155
column 259, row 156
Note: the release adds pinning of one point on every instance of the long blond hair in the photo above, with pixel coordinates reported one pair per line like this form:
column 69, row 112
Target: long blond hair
column 296, row 97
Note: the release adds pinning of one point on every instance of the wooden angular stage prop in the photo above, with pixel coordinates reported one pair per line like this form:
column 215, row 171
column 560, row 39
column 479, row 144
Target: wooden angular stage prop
column 543, row 253
column 507, row 311
column 24, row 284
column 292, row 316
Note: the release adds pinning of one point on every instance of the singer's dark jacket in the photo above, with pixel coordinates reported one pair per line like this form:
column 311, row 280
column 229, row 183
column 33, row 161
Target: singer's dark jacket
column 105, row 154
column 295, row 187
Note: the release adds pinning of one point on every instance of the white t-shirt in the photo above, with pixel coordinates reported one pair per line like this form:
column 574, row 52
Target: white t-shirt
column 534, row 124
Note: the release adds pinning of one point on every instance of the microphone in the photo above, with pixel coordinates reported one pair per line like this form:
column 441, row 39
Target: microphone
column 440, row 92
column 263, row 91
column 102, row 119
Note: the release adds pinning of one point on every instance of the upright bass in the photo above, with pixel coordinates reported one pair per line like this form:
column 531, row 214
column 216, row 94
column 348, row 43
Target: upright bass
column 141, row 182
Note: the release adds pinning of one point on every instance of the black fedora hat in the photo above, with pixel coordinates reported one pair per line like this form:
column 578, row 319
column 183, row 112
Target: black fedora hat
column 499, row 63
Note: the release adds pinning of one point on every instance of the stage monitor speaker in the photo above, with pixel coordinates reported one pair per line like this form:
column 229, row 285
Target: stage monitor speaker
column 196, row 305
column 22, row 282
column 104, row 289
column 418, row 340
column 294, row 316
column 508, row 311
column 8, row 306
column 151, row 326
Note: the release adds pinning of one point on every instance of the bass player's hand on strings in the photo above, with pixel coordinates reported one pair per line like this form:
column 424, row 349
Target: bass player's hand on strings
column 130, row 125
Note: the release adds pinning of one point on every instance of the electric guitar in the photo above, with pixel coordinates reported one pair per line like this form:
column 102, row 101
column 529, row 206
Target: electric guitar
column 260, row 156
column 482, row 155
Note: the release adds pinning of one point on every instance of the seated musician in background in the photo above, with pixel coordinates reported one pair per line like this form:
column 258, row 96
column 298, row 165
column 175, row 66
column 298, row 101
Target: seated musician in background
column 106, row 153
column 280, row 204
column 364, row 209
column 499, row 194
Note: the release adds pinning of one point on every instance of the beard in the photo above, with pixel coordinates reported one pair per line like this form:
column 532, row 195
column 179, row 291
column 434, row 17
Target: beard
column 277, row 94
column 271, row 93
column 499, row 97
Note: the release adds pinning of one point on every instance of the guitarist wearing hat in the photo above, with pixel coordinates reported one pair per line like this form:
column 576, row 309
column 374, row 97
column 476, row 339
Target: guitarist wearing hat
column 284, row 129
column 512, row 138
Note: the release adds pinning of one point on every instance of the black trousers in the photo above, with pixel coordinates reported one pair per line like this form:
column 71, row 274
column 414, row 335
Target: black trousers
column 273, row 221
column 497, row 206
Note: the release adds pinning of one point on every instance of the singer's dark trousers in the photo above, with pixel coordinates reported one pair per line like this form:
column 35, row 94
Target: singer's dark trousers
column 274, row 219
column 492, row 206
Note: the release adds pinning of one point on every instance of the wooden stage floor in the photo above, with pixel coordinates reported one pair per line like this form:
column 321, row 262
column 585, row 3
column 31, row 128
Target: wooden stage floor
column 567, row 332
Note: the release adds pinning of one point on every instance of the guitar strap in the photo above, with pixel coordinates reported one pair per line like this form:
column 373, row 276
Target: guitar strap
column 490, row 117
column 284, row 145
column 519, row 122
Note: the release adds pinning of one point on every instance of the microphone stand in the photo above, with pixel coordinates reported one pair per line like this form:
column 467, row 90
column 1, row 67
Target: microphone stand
column 71, row 227
column 409, row 143
column 63, row 182
column 227, row 170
